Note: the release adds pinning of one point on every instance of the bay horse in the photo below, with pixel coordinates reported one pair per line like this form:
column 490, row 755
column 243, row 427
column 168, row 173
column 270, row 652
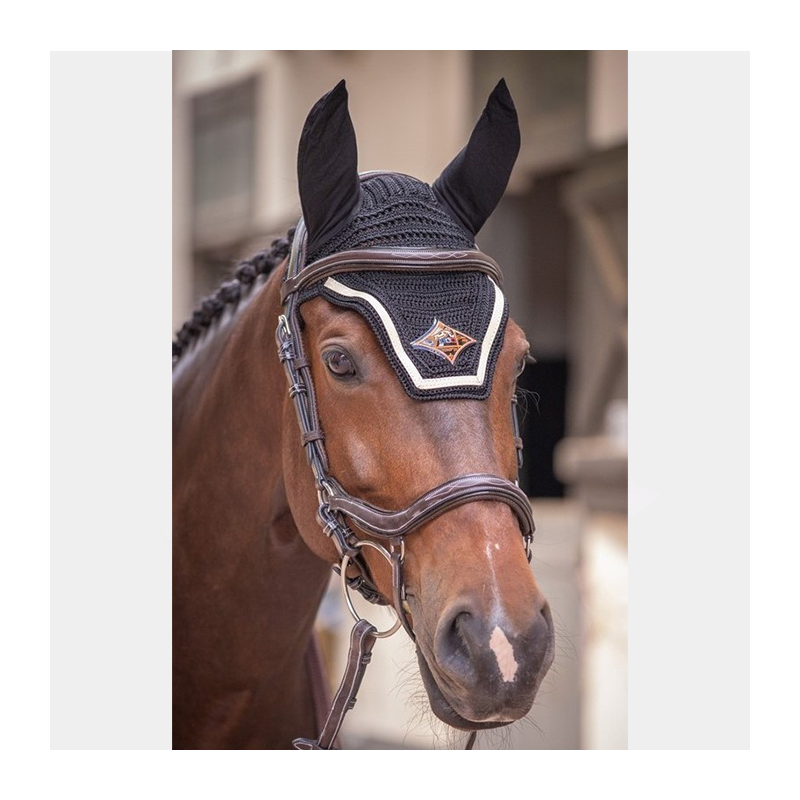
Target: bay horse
column 416, row 420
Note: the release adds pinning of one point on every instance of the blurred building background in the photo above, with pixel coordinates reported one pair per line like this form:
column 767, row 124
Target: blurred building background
column 560, row 235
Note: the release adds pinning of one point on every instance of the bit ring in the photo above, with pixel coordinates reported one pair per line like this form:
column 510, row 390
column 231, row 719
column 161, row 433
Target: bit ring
column 346, row 589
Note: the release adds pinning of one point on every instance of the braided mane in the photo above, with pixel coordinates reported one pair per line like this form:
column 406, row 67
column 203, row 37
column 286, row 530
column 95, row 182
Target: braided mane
column 229, row 293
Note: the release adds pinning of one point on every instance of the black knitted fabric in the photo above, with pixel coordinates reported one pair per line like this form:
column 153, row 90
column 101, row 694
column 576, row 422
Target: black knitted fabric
column 397, row 211
column 461, row 300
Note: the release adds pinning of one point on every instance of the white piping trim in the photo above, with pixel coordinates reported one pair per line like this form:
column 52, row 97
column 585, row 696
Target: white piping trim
column 397, row 345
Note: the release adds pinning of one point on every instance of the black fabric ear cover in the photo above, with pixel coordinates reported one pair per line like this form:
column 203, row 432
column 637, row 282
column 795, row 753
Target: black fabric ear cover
column 327, row 167
column 471, row 186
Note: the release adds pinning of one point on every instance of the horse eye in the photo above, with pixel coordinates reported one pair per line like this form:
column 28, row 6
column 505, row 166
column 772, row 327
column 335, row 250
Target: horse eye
column 339, row 363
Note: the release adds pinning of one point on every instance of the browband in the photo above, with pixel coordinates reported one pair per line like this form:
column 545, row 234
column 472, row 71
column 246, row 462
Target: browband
column 408, row 260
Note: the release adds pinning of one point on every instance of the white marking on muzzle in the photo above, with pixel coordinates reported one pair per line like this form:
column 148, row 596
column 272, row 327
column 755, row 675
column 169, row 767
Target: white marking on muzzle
column 504, row 653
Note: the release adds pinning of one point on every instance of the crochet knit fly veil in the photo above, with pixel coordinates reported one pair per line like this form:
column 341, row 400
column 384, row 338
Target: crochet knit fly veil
column 440, row 330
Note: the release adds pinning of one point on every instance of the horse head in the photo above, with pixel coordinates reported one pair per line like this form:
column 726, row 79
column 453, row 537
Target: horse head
column 412, row 371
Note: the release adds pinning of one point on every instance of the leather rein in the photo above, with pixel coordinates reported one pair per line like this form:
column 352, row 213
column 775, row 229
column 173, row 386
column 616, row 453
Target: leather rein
column 336, row 505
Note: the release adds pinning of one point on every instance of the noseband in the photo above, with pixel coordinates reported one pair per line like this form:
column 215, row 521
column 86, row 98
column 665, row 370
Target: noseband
column 336, row 505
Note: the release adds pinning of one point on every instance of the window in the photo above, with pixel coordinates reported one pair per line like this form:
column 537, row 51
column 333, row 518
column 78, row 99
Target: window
column 223, row 163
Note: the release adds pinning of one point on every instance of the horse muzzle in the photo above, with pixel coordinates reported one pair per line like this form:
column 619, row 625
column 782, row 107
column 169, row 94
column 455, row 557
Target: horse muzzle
column 483, row 670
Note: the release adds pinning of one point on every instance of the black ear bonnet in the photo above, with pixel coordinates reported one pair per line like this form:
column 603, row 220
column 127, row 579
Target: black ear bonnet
column 441, row 331
column 396, row 210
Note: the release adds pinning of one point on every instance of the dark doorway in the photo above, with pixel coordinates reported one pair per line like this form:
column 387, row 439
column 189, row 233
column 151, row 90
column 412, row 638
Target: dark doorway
column 542, row 415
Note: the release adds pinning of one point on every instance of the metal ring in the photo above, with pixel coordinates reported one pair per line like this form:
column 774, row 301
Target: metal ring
column 346, row 589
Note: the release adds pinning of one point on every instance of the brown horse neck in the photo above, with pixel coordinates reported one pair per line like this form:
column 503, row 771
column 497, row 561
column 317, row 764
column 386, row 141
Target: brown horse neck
column 246, row 587
column 228, row 402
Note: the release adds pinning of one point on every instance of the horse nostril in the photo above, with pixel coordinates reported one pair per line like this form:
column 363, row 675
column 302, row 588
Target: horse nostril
column 460, row 629
column 548, row 617
column 455, row 642
column 460, row 619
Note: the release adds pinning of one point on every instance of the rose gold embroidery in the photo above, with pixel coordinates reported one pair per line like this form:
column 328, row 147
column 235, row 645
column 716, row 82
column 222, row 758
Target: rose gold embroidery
column 444, row 340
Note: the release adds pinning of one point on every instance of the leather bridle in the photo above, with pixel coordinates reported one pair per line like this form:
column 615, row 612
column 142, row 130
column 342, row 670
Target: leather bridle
column 335, row 504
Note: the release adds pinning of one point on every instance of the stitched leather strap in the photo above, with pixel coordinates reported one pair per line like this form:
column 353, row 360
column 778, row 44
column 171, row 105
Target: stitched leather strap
column 407, row 260
column 362, row 640
column 465, row 489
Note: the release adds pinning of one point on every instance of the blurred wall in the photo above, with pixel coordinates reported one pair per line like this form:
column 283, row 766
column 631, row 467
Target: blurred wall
column 560, row 234
column 410, row 112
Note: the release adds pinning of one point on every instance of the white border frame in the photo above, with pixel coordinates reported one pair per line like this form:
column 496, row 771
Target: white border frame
column 337, row 287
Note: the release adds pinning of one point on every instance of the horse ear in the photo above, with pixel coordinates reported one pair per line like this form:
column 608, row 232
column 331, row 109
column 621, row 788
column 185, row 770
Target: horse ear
column 471, row 186
column 327, row 167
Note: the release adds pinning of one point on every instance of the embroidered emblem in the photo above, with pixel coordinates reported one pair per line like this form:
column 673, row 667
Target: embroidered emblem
column 443, row 340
